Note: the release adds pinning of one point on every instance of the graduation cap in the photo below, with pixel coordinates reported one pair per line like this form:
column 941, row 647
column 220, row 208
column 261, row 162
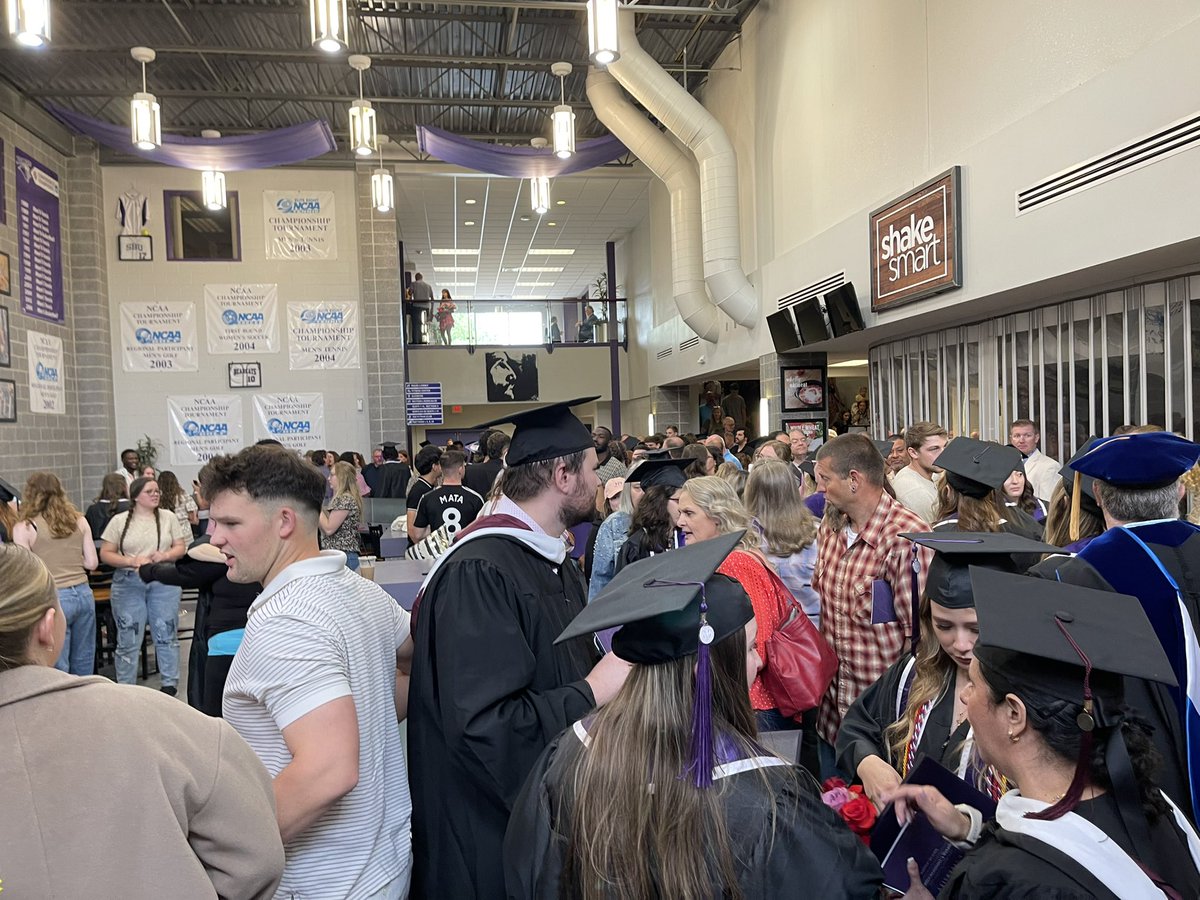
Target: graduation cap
column 755, row 445
column 8, row 493
column 659, row 471
column 671, row 606
column 1073, row 644
column 884, row 447
column 948, row 582
column 976, row 468
column 1080, row 489
column 547, row 432
column 1139, row 461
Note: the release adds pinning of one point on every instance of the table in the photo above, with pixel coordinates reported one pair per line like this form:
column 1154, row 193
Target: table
column 402, row 578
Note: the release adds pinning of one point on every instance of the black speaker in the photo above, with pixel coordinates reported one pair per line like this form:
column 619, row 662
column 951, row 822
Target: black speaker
column 810, row 321
column 845, row 316
column 783, row 331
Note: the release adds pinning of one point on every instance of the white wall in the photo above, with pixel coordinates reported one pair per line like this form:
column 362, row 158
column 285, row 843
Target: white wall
column 836, row 108
column 141, row 406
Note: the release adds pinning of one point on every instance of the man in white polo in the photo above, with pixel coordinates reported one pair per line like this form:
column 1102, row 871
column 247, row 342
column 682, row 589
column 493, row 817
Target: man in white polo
column 318, row 683
column 1040, row 470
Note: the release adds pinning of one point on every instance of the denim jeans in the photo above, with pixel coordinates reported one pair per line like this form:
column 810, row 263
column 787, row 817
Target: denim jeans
column 134, row 603
column 79, row 647
column 351, row 560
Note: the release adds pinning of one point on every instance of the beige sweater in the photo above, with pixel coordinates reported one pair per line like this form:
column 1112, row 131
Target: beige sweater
column 113, row 790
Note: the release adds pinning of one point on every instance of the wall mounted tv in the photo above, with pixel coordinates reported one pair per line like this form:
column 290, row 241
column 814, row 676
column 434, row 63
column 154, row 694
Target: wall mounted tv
column 810, row 321
column 845, row 316
column 783, row 331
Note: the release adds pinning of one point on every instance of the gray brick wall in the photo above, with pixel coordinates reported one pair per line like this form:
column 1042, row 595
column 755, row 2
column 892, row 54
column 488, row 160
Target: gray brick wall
column 671, row 406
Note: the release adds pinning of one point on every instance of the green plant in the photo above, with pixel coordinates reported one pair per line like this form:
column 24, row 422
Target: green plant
column 147, row 450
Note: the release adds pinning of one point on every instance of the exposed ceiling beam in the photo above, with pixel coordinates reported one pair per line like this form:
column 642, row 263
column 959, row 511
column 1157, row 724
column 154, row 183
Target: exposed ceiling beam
column 251, row 96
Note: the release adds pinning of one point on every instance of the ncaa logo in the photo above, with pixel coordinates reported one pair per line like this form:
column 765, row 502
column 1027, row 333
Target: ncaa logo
column 192, row 428
column 278, row 426
column 146, row 336
column 46, row 373
column 314, row 317
column 298, row 205
column 229, row 317
column 142, row 335
column 284, row 204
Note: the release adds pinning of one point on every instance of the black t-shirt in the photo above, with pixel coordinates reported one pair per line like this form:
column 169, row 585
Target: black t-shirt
column 454, row 505
column 420, row 487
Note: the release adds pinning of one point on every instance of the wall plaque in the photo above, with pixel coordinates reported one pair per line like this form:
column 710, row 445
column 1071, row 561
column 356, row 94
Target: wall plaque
column 916, row 243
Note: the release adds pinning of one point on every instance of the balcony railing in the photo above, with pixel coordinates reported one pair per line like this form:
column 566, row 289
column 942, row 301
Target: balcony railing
column 509, row 323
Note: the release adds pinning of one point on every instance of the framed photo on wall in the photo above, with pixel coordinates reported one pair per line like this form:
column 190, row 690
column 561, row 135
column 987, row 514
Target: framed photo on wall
column 8, row 400
column 5, row 342
column 5, row 275
column 816, row 430
column 804, row 389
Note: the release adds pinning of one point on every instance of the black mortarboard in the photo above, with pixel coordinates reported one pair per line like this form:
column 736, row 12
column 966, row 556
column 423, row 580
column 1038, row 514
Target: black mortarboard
column 661, row 453
column 8, row 493
column 389, row 444
column 657, row 603
column 657, row 471
column 976, row 468
column 884, row 447
column 948, row 582
column 1086, row 482
column 805, row 467
column 1148, row 460
column 753, row 446
column 547, row 432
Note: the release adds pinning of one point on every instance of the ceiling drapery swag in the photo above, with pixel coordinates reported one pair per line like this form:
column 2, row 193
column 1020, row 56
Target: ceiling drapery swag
column 516, row 162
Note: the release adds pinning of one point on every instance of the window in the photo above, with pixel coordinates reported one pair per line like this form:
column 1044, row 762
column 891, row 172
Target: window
column 195, row 232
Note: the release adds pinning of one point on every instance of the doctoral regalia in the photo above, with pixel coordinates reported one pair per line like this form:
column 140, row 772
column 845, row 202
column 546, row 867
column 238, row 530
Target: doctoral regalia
column 489, row 691
column 810, row 852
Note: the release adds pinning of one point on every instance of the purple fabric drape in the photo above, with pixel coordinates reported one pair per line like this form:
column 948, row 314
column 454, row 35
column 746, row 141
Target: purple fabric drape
column 236, row 153
column 516, row 162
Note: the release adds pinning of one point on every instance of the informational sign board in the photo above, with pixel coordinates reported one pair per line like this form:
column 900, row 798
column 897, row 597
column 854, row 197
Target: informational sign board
column 916, row 243
column 241, row 318
column 39, row 240
column 47, row 380
column 423, row 403
column 300, row 225
column 323, row 335
column 295, row 420
column 204, row 426
column 158, row 337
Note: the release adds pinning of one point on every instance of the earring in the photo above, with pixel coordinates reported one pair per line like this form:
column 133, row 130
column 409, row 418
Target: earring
column 854, row 488
column 1013, row 738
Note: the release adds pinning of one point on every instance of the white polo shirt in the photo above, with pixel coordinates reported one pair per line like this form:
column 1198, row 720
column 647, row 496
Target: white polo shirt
column 316, row 633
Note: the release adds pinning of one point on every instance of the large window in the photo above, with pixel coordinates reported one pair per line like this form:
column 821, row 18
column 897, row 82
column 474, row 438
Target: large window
column 195, row 232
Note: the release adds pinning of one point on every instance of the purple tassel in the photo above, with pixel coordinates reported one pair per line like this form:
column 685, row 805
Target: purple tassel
column 703, row 758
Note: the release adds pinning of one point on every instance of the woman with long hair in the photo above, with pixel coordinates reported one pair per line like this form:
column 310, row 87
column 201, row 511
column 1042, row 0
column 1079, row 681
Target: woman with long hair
column 1045, row 699
column 53, row 529
column 787, row 530
column 342, row 514
column 112, row 499
column 665, row 791
column 969, row 490
column 652, row 528
column 915, row 709
column 445, row 317
column 144, row 534
column 175, row 499
column 1069, row 529
column 356, row 459
column 702, row 461
column 1017, row 493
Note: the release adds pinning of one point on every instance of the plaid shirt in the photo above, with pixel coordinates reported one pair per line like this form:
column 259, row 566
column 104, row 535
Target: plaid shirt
column 844, row 576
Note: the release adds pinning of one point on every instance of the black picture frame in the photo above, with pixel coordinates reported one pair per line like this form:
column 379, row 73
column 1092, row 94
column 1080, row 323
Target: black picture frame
column 8, row 400
column 5, row 275
column 803, row 389
column 5, row 339
column 135, row 248
column 245, row 375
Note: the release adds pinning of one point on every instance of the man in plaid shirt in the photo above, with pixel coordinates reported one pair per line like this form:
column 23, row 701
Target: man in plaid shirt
column 863, row 575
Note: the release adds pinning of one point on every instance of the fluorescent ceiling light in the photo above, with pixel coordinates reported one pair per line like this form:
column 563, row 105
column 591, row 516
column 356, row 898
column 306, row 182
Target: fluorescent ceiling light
column 456, row 268
column 470, row 202
column 552, row 251
column 450, row 251
column 850, row 364
column 537, row 269
column 535, row 284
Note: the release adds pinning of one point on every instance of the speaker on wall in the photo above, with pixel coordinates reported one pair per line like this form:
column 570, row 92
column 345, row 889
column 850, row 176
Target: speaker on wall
column 845, row 316
column 783, row 331
column 810, row 321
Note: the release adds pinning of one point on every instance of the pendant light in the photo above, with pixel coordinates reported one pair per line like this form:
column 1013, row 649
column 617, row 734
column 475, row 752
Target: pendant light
column 328, row 21
column 563, row 117
column 539, row 185
column 29, row 22
column 383, row 190
column 212, row 181
column 363, row 127
column 145, row 123
column 602, row 31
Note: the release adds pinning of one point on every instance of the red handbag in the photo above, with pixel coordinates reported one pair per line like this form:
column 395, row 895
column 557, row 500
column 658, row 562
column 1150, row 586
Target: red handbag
column 800, row 662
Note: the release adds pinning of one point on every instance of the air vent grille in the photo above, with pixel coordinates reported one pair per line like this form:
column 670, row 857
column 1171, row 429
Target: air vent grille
column 1175, row 138
column 816, row 289
column 689, row 344
column 663, row 354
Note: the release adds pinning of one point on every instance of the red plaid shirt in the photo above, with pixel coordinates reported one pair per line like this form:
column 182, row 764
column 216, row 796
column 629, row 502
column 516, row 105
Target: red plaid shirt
column 844, row 577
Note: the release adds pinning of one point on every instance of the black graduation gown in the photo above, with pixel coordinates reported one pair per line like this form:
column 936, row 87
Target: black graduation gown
column 814, row 853
column 1009, row 866
column 1016, row 521
column 861, row 734
column 391, row 482
column 489, row 691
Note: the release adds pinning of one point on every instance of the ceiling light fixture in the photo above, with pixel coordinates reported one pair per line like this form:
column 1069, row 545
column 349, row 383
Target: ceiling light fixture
column 602, row 31
column 456, row 268
column 539, row 268
column 212, row 181
column 850, row 364
column 29, row 21
column 539, row 185
column 145, row 122
column 451, row 251
column 563, row 117
column 364, row 130
column 469, row 222
column 383, row 188
column 560, row 202
column 552, row 251
column 470, row 202
column 328, row 20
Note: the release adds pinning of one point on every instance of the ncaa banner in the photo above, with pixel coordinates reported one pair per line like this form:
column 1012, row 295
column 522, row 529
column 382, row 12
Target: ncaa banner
column 47, row 381
column 323, row 335
column 241, row 318
column 300, row 225
column 295, row 420
column 201, row 427
column 158, row 337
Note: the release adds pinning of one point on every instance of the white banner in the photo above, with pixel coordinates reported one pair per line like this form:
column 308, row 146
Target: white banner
column 323, row 335
column 202, row 427
column 300, row 224
column 158, row 337
column 295, row 420
column 241, row 318
column 47, row 381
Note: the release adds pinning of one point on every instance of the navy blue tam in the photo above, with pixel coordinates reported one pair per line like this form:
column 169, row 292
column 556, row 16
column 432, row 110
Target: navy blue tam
column 1148, row 460
column 548, row 432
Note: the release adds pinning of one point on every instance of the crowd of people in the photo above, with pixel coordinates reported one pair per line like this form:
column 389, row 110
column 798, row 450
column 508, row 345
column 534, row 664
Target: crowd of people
column 613, row 634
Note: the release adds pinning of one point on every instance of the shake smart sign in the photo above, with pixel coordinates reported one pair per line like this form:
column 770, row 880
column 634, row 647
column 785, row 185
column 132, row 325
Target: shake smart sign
column 916, row 244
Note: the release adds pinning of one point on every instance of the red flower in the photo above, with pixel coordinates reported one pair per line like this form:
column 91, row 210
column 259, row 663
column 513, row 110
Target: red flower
column 859, row 814
column 830, row 783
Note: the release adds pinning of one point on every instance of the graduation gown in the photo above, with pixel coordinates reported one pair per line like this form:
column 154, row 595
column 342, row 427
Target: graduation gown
column 489, row 691
column 1015, row 521
column 814, row 853
column 1009, row 866
column 861, row 734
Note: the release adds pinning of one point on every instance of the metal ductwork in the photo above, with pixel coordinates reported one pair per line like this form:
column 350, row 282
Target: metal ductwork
column 677, row 171
column 695, row 126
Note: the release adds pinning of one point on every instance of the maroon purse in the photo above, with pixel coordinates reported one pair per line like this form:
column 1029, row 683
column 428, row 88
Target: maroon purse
column 800, row 663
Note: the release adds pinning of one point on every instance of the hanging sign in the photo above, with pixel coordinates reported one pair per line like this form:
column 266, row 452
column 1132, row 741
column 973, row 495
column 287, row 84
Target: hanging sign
column 300, row 224
column 201, row 427
column 158, row 337
column 241, row 318
column 47, row 380
column 916, row 243
column 39, row 240
column 323, row 335
column 295, row 420
column 423, row 403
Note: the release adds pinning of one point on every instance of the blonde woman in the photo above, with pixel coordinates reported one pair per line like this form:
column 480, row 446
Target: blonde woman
column 342, row 514
column 787, row 529
column 53, row 529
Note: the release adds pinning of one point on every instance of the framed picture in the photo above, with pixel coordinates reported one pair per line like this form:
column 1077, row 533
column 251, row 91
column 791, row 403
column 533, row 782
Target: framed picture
column 5, row 343
column 803, row 388
column 245, row 374
column 135, row 247
column 816, row 430
column 5, row 275
column 8, row 400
